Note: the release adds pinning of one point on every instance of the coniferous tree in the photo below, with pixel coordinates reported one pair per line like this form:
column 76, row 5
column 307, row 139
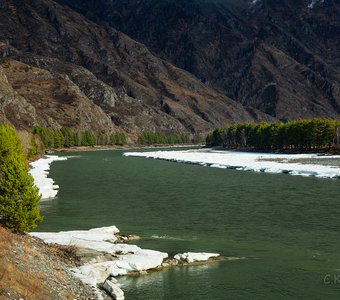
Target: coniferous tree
column 19, row 197
column 297, row 135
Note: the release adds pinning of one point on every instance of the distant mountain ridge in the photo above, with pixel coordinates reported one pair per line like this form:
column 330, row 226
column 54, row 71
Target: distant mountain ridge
column 281, row 57
column 128, row 85
column 196, row 64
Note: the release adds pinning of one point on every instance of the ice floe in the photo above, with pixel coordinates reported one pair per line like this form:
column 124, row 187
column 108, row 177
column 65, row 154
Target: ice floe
column 142, row 260
column 96, row 239
column 191, row 257
column 98, row 274
column 39, row 171
column 251, row 161
column 110, row 286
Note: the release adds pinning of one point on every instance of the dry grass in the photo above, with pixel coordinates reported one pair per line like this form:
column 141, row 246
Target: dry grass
column 67, row 253
column 13, row 278
column 33, row 270
column 20, row 282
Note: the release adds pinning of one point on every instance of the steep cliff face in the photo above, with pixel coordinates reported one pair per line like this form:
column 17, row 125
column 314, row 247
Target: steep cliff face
column 280, row 57
column 14, row 109
column 38, row 97
column 115, row 75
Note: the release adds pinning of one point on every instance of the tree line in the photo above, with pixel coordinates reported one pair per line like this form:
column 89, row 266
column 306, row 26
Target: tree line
column 158, row 138
column 298, row 135
column 66, row 137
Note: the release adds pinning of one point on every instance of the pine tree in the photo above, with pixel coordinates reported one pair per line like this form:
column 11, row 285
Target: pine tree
column 19, row 198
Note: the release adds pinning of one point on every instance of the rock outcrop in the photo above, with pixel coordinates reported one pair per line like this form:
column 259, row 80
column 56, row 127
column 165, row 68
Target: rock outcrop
column 34, row 96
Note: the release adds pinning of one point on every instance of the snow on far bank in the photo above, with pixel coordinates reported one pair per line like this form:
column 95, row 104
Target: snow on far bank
column 250, row 161
column 39, row 171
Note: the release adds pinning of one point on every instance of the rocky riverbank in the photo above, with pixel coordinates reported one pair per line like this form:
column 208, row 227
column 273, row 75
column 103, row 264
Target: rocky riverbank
column 102, row 256
column 31, row 269
column 59, row 269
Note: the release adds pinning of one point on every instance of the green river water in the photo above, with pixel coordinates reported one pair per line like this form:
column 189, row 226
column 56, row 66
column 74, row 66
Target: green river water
column 285, row 228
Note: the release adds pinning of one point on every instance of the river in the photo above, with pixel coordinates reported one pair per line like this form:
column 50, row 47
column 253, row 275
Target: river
column 285, row 229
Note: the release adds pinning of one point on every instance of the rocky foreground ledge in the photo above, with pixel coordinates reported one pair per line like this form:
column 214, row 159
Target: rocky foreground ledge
column 103, row 255
column 32, row 269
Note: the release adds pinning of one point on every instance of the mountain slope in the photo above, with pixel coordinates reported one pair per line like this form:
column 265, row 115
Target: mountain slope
column 33, row 96
column 121, row 77
column 281, row 57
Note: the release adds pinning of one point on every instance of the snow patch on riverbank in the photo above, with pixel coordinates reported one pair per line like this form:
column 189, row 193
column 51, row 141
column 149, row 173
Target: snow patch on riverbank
column 125, row 258
column 250, row 161
column 96, row 239
column 128, row 258
column 100, row 274
column 39, row 171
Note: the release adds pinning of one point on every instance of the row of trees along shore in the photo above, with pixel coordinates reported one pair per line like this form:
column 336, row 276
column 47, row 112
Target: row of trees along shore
column 66, row 137
column 157, row 138
column 298, row 135
column 154, row 138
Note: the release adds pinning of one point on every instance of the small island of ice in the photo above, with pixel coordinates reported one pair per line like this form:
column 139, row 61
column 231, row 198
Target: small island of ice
column 191, row 257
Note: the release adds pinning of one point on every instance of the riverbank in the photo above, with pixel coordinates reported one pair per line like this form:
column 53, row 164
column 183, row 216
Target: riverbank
column 31, row 269
column 39, row 171
column 323, row 151
column 315, row 165
column 103, row 257
column 78, row 265
column 115, row 147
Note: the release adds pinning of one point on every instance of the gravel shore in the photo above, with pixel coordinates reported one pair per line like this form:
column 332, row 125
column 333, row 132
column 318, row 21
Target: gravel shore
column 31, row 269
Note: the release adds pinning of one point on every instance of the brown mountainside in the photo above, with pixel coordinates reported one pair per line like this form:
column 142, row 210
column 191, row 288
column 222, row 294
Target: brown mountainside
column 281, row 57
column 60, row 69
